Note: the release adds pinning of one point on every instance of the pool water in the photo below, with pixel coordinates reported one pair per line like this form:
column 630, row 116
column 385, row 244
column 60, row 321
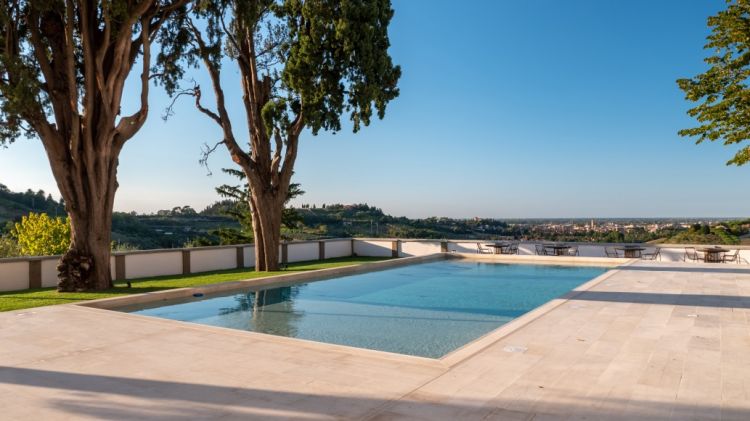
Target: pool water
column 427, row 309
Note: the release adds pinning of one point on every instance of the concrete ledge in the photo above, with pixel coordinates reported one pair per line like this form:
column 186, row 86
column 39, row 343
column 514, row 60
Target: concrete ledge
column 457, row 356
column 544, row 260
column 265, row 282
column 453, row 358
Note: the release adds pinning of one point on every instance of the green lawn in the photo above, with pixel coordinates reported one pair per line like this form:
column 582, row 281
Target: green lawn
column 16, row 300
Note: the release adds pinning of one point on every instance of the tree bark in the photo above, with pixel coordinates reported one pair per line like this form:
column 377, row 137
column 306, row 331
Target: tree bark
column 267, row 212
column 86, row 264
column 89, row 201
column 260, row 250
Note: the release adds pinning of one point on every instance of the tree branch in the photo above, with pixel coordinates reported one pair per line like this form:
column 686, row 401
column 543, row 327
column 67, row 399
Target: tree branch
column 128, row 126
column 206, row 152
column 222, row 118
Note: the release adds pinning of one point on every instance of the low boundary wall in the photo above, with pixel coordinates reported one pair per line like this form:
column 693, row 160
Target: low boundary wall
column 35, row 272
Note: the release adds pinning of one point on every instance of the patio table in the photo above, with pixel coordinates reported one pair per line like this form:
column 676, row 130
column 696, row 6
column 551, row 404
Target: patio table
column 713, row 254
column 560, row 249
column 498, row 247
column 631, row 252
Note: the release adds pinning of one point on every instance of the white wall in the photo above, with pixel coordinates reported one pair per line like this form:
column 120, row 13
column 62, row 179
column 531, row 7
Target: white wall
column 374, row 248
column 419, row 248
column 338, row 248
column 14, row 276
column 249, row 256
column 142, row 265
column 463, row 246
column 302, row 252
column 206, row 260
column 49, row 273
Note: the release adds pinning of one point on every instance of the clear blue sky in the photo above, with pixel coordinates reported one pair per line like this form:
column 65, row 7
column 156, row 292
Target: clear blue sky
column 507, row 109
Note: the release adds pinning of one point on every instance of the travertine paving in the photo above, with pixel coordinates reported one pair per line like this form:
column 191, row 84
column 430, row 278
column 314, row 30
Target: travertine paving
column 652, row 341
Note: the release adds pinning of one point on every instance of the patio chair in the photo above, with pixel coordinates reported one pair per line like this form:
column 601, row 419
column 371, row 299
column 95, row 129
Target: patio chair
column 483, row 250
column 573, row 251
column 611, row 252
column 692, row 255
column 513, row 248
column 539, row 250
column 734, row 257
column 652, row 255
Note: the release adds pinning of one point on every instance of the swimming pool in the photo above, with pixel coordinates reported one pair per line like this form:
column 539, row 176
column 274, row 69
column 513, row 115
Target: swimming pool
column 427, row 309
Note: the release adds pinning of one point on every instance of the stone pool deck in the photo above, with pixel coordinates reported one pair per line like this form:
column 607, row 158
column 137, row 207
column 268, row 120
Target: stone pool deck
column 650, row 341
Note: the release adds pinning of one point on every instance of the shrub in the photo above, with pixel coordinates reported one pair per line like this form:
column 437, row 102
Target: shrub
column 39, row 235
column 9, row 247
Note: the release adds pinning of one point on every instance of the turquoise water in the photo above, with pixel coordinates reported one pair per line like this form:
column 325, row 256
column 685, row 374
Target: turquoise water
column 428, row 309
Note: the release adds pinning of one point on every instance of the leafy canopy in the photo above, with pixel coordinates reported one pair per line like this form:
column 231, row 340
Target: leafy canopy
column 39, row 235
column 323, row 58
column 62, row 58
column 722, row 91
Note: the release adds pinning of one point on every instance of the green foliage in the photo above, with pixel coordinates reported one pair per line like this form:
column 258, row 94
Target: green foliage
column 13, row 205
column 117, row 246
column 32, row 47
column 9, row 247
column 165, row 231
column 236, row 206
column 722, row 91
column 324, row 58
column 337, row 60
column 199, row 242
column 723, row 233
column 39, row 235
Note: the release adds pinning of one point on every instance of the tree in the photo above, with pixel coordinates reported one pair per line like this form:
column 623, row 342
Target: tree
column 63, row 66
column 238, row 197
column 39, row 235
column 722, row 90
column 302, row 64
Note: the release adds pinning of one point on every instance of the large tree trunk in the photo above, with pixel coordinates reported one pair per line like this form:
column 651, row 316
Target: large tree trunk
column 86, row 264
column 260, row 250
column 88, row 187
column 267, row 212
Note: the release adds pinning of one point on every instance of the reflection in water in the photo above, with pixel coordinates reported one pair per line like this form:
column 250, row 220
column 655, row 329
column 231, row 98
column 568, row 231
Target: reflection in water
column 269, row 310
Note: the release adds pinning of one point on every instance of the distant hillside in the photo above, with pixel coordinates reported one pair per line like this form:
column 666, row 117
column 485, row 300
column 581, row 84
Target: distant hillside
column 362, row 220
column 167, row 231
column 14, row 205
column 730, row 232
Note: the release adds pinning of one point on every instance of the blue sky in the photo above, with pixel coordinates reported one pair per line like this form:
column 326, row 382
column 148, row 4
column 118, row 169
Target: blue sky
column 507, row 109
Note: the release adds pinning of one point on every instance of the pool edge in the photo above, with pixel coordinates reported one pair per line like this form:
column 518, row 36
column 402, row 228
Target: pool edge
column 278, row 280
column 451, row 359
column 466, row 351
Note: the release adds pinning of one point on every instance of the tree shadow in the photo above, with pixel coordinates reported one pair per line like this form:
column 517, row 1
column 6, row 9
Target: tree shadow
column 119, row 398
column 662, row 267
column 696, row 300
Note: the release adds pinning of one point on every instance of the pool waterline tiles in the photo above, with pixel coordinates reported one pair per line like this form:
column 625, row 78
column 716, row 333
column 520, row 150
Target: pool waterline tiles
column 427, row 310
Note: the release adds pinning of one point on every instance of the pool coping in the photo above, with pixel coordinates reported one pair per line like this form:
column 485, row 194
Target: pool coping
column 269, row 281
column 449, row 360
column 472, row 348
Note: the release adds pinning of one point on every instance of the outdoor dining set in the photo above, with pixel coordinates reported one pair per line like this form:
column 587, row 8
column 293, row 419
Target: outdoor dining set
column 712, row 254
column 551, row 249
